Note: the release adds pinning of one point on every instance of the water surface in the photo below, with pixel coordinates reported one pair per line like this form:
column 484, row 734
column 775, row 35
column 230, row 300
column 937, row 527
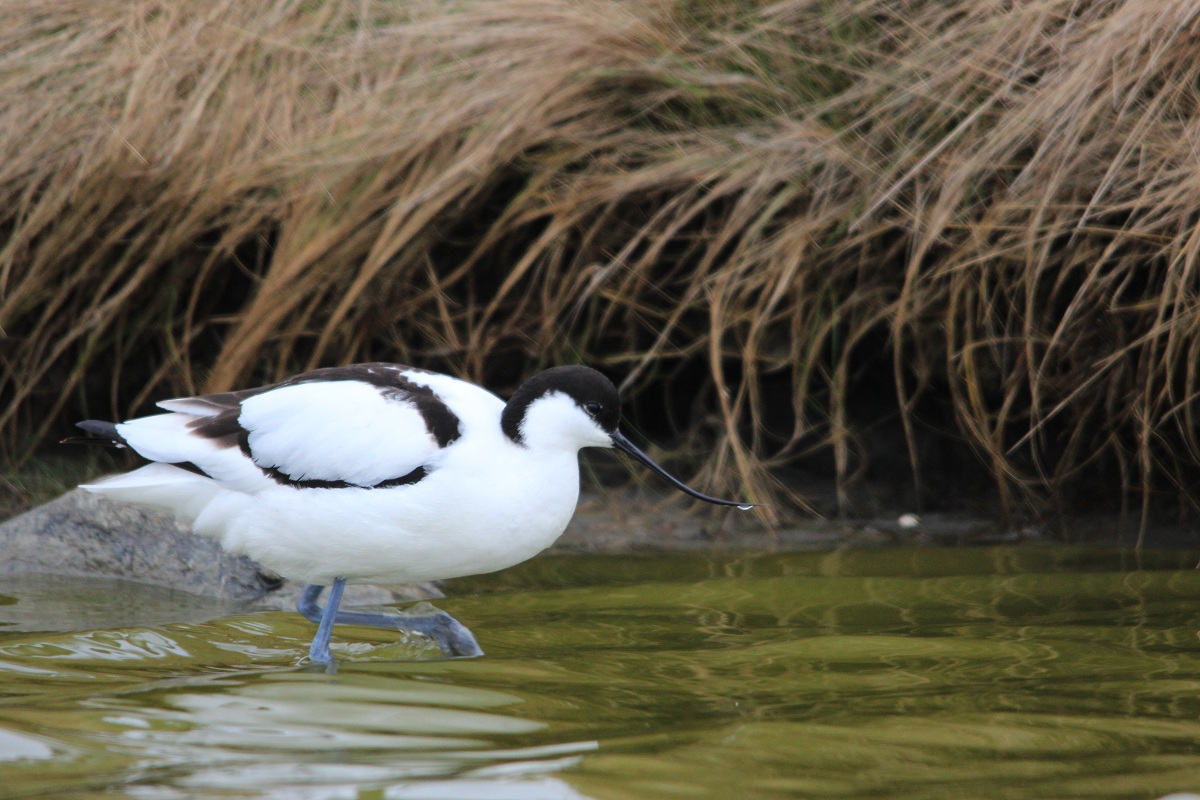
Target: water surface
column 1016, row 672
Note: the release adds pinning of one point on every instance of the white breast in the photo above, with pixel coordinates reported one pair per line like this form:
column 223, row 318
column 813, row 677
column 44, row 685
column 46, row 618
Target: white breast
column 469, row 517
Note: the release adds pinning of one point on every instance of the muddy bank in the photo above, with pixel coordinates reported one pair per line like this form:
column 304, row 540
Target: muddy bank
column 82, row 535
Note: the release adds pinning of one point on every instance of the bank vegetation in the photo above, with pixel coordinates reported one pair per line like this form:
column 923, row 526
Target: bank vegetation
column 859, row 239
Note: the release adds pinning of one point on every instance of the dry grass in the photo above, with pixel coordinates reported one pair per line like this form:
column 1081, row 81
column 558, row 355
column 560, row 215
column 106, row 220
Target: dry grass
column 987, row 202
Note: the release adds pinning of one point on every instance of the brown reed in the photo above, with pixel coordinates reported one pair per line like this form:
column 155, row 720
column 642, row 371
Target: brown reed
column 990, row 203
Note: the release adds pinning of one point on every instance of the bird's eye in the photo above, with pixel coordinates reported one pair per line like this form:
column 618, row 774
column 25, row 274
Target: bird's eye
column 592, row 408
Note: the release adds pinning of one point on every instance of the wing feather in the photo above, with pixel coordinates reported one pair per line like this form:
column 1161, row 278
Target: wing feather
column 361, row 425
column 339, row 431
column 196, row 406
column 172, row 439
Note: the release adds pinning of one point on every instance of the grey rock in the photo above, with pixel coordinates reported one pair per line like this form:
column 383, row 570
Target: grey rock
column 82, row 534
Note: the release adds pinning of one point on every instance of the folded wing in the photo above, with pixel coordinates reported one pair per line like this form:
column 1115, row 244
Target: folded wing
column 368, row 425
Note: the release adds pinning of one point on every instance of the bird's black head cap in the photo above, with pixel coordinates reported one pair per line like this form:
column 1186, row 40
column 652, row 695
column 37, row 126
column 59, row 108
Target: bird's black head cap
column 590, row 390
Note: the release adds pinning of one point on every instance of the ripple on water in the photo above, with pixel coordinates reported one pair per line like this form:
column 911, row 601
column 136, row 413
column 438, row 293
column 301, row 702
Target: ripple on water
column 987, row 672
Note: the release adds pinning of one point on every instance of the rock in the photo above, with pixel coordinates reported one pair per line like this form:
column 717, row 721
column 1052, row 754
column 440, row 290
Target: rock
column 82, row 534
column 85, row 535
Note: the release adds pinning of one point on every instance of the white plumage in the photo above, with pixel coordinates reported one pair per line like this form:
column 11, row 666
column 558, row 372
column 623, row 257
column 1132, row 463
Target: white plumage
column 487, row 502
column 374, row 472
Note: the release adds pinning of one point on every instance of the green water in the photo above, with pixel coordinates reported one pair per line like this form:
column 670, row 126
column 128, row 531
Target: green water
column 1032, row 671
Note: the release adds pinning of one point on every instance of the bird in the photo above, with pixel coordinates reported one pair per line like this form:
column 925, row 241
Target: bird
column 375, row 473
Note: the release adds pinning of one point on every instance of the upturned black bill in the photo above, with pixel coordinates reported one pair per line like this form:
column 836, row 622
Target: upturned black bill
column 624, row 445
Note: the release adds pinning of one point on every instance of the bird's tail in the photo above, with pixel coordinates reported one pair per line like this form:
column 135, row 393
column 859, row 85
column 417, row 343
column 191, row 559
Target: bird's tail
column 164, row 487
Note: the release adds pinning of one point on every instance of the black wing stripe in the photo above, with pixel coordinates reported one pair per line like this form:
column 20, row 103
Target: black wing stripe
column 284, row 479
column 224, row 429
column 106, row 430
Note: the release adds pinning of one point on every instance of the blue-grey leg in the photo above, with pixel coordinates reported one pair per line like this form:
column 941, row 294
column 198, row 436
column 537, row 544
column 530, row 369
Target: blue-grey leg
column 319, row 650
column 450, row 635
